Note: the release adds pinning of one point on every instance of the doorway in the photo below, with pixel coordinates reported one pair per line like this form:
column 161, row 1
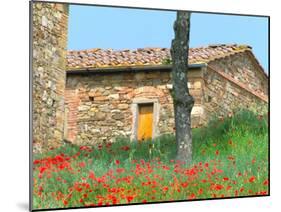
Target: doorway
column 145, row 121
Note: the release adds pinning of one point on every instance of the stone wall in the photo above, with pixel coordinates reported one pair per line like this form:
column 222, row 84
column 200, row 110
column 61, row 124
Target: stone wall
column 230, row 85
column 243, row 67
column 101, row 107
column 49, row 40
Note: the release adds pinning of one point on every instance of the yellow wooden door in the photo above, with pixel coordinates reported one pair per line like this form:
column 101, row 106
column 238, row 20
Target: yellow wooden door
column 145, row 122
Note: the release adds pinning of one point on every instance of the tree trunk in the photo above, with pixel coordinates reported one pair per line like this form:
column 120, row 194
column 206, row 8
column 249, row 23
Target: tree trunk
column 183, row 101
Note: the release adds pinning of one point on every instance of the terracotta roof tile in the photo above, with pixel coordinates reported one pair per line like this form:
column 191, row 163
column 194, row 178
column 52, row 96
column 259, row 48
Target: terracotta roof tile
column 99, row 58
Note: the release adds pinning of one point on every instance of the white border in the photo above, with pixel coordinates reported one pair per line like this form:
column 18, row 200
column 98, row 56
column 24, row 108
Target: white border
column 15, row 116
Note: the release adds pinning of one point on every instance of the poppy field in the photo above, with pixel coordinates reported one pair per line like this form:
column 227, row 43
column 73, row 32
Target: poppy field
column 230, row 159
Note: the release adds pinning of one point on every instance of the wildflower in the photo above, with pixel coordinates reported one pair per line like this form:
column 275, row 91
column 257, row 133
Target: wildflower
column 129, row 198
column 92, row 175
column 165, row 188
column 83, row 148
column 42, row 169
column 108, row 145
column 265, row 182
column 191, row 196
column 36, row 162
column 82, row 164
column 142, row 161
column 65, row 202
column 120, row 170
column 184, row 184
column 217, row 187
column 252, row 179
column 165, row 168
column 125, row 148
column 217, row 152
column 117, row 162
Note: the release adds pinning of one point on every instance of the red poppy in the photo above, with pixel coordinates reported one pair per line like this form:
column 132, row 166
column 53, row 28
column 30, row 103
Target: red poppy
column 165, row 188
column 108, row 145
column 36, row 162
column 252, row 179
column 129, row 198
column 191, row 196
column 225, row 179
column 83, row 148
column 165, row 168
column 265, row 182
column 142, row 161
column 92, row 175
column 217, row 187
column 42, row 169
column 120, row 170
column 117, row 162
column 65, row 202
column 125, row 148
column 82, row 164
column 184, row 184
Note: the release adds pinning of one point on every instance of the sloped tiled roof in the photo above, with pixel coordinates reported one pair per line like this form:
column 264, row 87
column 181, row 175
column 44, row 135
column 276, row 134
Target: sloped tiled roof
column 104, row 58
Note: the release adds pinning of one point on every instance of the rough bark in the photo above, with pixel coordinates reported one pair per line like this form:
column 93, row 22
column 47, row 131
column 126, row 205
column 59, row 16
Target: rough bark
column 183, row 101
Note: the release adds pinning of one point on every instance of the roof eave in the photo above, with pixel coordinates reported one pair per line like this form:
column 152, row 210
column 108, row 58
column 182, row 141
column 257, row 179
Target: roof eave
column 127, row 68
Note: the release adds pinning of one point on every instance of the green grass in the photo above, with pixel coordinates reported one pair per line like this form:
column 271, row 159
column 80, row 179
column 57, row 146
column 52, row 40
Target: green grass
column 230, row 158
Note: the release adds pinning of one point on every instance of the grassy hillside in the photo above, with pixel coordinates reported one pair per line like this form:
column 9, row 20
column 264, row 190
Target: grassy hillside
column 230, row 158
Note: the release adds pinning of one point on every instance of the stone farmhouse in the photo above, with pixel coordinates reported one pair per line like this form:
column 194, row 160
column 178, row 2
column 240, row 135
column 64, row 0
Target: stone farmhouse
column 96, row 95
column 127, row 93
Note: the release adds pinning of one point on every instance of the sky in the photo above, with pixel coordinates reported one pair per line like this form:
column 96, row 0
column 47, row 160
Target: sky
column 122, row 28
